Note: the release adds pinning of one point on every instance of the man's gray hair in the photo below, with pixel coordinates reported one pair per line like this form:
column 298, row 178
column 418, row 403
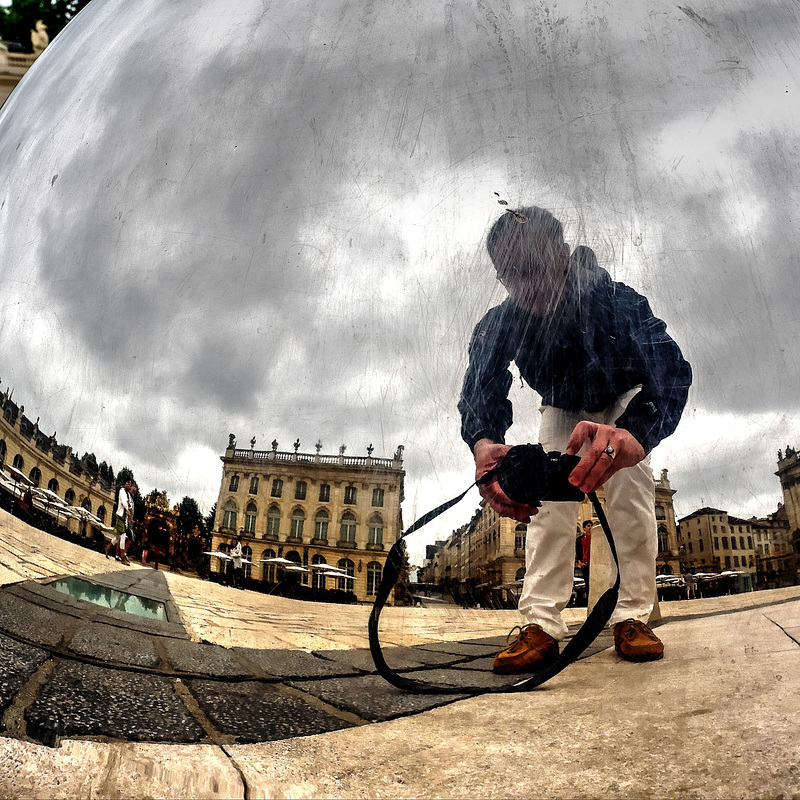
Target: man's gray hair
column 525, row 221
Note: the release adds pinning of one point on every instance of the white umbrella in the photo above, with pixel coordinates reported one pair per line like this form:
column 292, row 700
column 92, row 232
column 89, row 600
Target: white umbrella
column 277, row 560
column 296, row 568
column 17, row 475
column 217, row 554
column 327, row 567
column 338, row 575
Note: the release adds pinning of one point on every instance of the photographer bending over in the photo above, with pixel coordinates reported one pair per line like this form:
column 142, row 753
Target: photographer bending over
column 611, row 379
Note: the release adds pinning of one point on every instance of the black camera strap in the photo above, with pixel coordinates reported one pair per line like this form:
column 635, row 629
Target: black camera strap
column 588, row 632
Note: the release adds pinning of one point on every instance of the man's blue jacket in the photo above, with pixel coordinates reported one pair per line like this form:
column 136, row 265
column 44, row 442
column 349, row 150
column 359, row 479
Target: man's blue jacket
column 602, row 341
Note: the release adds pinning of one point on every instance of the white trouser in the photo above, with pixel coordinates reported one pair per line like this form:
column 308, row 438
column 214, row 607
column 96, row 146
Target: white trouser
column 550, row 547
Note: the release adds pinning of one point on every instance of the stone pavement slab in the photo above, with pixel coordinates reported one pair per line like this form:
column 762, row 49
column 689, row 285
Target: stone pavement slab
column 371, row 697
column 203, row 659
column 17, row 663
column 256, row 712
column 32, row 622
column 114, row 645
column 295, row 663
column 84, row 700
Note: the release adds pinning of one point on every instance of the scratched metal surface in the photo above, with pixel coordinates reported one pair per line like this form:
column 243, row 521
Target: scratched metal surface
column 267, row 218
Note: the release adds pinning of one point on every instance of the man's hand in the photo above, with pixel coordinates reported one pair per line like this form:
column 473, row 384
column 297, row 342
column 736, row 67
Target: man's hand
column 596, row 466
column 488, row 455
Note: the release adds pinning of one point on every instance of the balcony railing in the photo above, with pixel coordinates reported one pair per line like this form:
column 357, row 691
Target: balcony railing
column 316, row 458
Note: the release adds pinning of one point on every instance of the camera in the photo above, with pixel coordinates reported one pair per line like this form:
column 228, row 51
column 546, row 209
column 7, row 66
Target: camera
column 528, row 474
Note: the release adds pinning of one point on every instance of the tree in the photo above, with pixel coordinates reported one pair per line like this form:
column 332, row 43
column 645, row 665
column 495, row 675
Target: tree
column 210, row 518
column 125, row 474
column 18, row 19
column 189, row 518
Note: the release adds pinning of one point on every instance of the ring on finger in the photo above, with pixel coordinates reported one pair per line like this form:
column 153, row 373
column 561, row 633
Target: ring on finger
column 610, row 451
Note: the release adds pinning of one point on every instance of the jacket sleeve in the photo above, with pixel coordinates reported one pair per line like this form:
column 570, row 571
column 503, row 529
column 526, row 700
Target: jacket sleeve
column 485, row 409
column 658, row 364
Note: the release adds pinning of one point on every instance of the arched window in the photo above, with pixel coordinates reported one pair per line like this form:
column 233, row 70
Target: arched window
column 321, row 525
column 19, row 462
column 663, row 539
column 86, row 503
column 273, row 521
column 293, row 555
column 520, row 536
column 267, row 569
column 36, row 476
column 247, row 552
column 348, row 527
column 350, row 568
column 373, row 578
column 69, row 497
column 318, row 579
column 520, row 575
column 101, row 513
column 298, row 521
column 660, row 513
column 2, row 450
column 250, row 519
column 229, row 515
column 52, row 485
column 375, row 533
column 234, row 484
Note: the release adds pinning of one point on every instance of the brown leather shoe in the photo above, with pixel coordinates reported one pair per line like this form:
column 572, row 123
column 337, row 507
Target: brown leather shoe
column 532, row 650
column 634, row 641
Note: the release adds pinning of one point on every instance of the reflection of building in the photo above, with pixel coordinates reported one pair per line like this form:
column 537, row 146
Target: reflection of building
column 12, row 67
column 488, row 553
column 712, row 541
column 51, row 465
column 775, row 561
column 338, row 510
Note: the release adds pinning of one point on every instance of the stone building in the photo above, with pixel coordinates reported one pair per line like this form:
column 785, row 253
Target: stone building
column 789, row 475
column 313, row 509
column 712, row 541
column 775, row 560
column 489, row 551
column 50, row 465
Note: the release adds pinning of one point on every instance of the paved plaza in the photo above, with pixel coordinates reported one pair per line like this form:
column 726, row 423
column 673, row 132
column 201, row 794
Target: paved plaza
column 239, row 694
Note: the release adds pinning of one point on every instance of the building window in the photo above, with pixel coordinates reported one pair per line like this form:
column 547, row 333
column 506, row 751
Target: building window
column 317, row 578
column 520, row 536
column 267, row 569
column 375, row 533
column 749, row 542
column 724, row 542
column 300, row 490
column 247, row 553
column 321, row 525
column 663, row 539
column 273, row 521
column 741, row 542
column 350, row 568
column 229, row 515
column 348, row 527
column 736, row 561
column 298, row 521
column 19, row 462
column 350, row 495
column 716, row 543
column 324, row 493
column 86, row 503
column 253, row 485
column 377, row 498
column 690, row 548
column 700, row 545
column 250, row 514
column 2, row 450
column 660, row 513
column 234, row 484
column 52, row 485
column 727, row 562
column 766, row 549
column 733, row 543
column 36, row 476
column 714, row 528
column 69, row 497
column 373, row 578
column 101, row 513
column 277, row 487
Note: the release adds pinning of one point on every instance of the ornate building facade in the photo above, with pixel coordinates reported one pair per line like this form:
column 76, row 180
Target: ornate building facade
column 50, row 465
column 711, row 540
column 311, row 509
column 488, row 552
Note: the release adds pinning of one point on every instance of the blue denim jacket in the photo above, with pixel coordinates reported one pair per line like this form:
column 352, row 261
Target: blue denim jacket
column 602, row 341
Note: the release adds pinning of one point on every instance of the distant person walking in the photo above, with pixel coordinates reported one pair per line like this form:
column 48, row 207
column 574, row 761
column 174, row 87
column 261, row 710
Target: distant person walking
column 124, row 512
column 236, row 558
column 691, row 586
column 583, row 547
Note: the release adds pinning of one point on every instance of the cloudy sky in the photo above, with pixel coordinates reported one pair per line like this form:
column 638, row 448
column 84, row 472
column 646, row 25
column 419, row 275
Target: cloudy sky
column 267, row 219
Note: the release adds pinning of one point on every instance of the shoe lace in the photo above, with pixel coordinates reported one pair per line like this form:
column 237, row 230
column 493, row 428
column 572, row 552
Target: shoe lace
column 634, row 627
column 521, row 629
